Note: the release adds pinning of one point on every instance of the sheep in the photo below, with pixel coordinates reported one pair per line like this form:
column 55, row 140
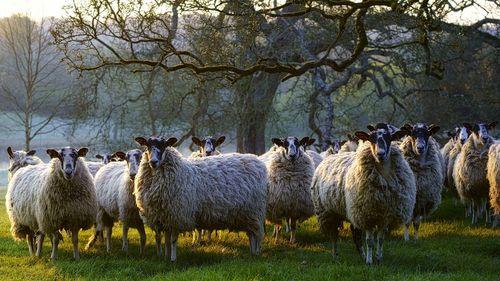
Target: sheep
column 207, row 146
column 469, row 173
column 350, row 145
column 50, row 197
column 114, row 185
column 315, row 156
column 289, row 172
column 19, row 159
column 333, row 148
column 106, row 158
column 175, row 194
column 423, row 155
column 373, row 188
column 445, row 151
column 493, row 173
column 450, row 160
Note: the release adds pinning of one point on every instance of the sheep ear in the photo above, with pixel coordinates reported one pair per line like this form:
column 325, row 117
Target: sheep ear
column 120, row 154
column 349, row 137
column 370, row 128
column 197, row 141
column 9, row 151
column 433, row 129
column 31, row 152
column 450, row 134
column 99, row 156
column 53, row 153
column 304, row 141
column 82, row 152
column 492, row 125
column 342, row 142
column 468, row 126
column 310, row 142
column 361, row 135
column 277, row 141
column 141, row 141
column 408, row 127
column 398, row 135
column 171, row 141
column 220, row 140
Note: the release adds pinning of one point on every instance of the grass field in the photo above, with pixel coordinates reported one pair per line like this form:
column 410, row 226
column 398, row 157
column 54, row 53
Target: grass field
column 449, row 249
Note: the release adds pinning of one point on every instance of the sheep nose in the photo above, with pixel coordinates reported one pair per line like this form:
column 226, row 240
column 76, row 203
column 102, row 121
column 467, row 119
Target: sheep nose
column 153, row 163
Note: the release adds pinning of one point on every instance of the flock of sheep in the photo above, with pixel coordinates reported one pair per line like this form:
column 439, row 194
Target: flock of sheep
column 376, row 181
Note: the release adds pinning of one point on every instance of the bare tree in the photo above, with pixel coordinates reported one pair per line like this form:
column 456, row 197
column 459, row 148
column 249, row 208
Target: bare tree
column 30, row 70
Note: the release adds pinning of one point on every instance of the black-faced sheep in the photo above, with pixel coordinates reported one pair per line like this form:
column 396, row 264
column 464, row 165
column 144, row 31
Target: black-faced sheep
column 376, row 183
column 289, row 172
column 114, row 185
column 207, row 146
column 423, row 155
column 176, row 194
column 470, row 169
column 50, row 197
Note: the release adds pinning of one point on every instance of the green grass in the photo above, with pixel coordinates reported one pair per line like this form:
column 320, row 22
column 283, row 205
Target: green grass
column 449, row 249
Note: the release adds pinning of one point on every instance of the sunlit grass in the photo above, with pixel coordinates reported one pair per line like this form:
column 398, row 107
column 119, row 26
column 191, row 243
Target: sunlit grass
column 449, row 249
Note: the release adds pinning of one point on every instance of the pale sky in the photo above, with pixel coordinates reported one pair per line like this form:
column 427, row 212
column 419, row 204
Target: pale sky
column 46, row 8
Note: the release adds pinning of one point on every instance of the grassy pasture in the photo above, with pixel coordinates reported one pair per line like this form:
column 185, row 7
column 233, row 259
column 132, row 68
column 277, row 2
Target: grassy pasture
column 449, row 249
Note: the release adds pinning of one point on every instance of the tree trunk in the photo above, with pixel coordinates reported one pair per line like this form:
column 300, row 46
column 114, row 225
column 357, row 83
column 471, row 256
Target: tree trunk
column 254, row 101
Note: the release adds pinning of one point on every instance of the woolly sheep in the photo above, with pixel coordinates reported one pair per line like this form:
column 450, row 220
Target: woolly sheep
column 289, row 173
column 350, row 145
column 461, row 137
column 333, row 148
column 423, row 155
column 493, row 173
column 376, row 183
column 53, row 196
column 114, row 185
column 469, row 173
column 19, row 159
column 176, row 195
column 207, row 147
column 106, row 158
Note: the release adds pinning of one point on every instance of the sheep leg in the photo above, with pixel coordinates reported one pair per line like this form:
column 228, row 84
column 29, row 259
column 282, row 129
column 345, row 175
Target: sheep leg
column 293, row 227
column 335, row 237
column 39, row 246
column 209, row 235
column 93, row 239
column 357, row 237
column 173, row 246
column 158, row 243
column 29, row 240
column 142, row 235
column 74, row 238
column 168, row 245
column 405, row 234
column 369, row 246
column 251, row 240
column 416, row 225
column 55, row 244
column 380, row 240
column 125, row 238
column 108, row 238
column 287, row 225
